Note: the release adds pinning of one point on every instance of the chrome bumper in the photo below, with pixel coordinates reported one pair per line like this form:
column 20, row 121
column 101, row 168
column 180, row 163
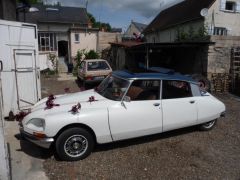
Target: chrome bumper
column 44, row 142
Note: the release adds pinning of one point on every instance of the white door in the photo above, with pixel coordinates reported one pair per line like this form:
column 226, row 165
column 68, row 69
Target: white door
column 179, row 106
column 140, row 116
column 25, row 77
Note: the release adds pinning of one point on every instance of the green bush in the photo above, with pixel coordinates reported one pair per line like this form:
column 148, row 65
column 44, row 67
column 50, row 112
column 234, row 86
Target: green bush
column 91, row 55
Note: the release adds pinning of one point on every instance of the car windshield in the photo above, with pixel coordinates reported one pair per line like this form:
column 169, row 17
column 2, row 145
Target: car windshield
column 97, row 65
column 113, row 88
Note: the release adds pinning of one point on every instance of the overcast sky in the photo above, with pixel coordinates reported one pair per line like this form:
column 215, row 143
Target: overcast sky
column 120, row 13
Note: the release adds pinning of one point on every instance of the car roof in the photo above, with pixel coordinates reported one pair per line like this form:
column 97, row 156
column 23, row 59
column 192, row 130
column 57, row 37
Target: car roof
column 153, row 75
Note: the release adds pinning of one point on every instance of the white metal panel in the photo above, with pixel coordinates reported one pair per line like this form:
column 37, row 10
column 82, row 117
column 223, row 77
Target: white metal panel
column 178, row 113
column 134, row 119
column 22, row 34
column 18, row 36
column 26, row 78
column 5, row 51
column 9, row 91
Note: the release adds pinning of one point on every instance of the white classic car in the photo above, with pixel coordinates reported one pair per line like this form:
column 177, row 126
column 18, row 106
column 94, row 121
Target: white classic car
column 125, row 105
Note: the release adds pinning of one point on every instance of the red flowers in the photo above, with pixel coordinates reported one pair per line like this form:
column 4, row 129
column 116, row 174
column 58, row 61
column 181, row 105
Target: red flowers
column 67, row 90
column 75, row 108
column 49, row 103
column 91, row 99
column 21, row 115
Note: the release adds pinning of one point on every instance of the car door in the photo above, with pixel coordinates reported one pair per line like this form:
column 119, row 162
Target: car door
column 178, row 104
column 140, row 116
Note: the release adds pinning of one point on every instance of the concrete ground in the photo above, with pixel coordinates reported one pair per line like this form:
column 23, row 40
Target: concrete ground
column 25, row 158
column 4, row 170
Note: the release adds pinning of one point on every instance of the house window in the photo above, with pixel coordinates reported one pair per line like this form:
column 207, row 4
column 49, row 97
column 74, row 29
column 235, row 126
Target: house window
column 47, row 42
column 220, row 31
column 76, row 36
column 230, row 6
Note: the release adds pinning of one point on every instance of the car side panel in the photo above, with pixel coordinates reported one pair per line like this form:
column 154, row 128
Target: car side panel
column 209, row 108
column 179, row 113
column 97, row 121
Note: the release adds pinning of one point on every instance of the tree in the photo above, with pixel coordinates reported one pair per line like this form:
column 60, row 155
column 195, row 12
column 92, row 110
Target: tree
column 97, row 24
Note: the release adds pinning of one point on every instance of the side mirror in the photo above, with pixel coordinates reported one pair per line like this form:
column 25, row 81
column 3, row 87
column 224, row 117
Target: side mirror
column 127, row 99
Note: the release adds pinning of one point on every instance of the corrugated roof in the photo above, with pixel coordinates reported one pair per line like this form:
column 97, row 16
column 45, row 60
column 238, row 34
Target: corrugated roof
column 185, row 11
column 57, row 14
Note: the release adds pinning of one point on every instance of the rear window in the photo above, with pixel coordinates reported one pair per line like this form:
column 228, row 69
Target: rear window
column 97, row 65
column 176, row 89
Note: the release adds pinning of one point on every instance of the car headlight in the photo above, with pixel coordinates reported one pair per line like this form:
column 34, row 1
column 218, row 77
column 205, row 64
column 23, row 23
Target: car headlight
column 36, row 124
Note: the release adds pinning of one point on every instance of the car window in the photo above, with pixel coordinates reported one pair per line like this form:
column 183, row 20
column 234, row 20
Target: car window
column 97, row 65
column 144, row 90
column 175, row 89
column 113, row 88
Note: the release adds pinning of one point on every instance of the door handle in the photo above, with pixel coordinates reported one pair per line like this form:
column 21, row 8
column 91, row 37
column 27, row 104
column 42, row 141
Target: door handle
column 192, row 101
column 156, row 104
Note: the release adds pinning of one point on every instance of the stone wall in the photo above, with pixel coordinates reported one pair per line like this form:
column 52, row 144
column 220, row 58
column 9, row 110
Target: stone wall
column 219, row 62
column 219, row 54
column 104, row 38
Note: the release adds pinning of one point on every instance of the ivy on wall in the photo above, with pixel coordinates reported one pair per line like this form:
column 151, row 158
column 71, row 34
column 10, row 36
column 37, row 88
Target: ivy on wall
column 192, row 35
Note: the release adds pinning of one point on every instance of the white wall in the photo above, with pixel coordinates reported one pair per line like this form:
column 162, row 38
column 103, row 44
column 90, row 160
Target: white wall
column 220, row 18
column 87, row 40
column 170, row 34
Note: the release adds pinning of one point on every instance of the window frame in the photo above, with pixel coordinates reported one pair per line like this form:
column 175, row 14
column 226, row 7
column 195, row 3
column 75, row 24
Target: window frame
column 159, row 89
column 47, row 41
column 220, row 31
column 234, row 4
column 76, row 37
column 189, row 86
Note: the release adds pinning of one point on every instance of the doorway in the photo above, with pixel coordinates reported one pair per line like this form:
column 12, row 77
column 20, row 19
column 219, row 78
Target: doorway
column 63, row 49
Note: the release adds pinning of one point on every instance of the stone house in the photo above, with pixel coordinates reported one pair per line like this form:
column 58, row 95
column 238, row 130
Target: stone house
column 194, row 21
column 62, row 31
column 54, row 23
column 134, row 28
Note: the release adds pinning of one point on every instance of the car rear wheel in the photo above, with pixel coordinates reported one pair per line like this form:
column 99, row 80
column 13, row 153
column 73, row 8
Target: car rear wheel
column 208, row 125
column 74, row 144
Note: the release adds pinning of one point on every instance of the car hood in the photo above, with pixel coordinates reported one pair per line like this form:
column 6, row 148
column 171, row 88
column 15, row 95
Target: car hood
column 67, row 101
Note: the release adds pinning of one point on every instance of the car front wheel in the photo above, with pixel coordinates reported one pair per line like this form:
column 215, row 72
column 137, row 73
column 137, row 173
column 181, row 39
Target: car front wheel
column 208, row 125
column 74, row 144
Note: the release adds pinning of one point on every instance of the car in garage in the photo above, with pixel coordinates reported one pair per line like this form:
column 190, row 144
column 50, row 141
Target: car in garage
column 93, row 70
column 125, row 105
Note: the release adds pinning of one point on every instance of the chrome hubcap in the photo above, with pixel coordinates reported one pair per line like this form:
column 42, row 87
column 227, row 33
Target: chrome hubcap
column 209, row 124
column 75, row 145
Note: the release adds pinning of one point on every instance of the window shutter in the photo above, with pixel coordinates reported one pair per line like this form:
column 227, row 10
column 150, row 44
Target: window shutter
column 238, row 7
column 222, row 4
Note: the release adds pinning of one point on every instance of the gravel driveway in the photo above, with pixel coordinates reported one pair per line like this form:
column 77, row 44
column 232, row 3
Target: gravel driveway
column 182, row 154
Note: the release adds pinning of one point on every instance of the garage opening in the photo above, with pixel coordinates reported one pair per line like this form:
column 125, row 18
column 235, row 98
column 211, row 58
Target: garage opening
column 235, row 70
